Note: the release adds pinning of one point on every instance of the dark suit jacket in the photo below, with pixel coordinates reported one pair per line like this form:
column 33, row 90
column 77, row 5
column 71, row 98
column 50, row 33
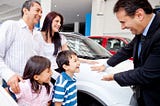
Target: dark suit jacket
column 146, row 72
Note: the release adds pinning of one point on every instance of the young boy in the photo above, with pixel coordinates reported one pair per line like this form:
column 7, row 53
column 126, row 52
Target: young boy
column 65, row 90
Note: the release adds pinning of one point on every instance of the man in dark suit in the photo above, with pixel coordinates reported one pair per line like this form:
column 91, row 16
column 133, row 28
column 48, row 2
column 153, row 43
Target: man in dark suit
column 138, row 17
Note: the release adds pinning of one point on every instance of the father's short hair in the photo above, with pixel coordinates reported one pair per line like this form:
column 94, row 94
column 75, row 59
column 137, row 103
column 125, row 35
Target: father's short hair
column 28, row 4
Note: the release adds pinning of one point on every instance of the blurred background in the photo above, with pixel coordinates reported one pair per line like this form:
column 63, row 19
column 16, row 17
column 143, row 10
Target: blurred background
column 87, row 17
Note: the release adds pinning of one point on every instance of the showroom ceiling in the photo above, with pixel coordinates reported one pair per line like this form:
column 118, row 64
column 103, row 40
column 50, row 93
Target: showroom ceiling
column 72, row 10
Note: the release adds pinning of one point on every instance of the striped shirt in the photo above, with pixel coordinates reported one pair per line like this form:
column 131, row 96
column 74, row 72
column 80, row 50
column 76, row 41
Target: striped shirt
column 17, row 45
column 65, row 90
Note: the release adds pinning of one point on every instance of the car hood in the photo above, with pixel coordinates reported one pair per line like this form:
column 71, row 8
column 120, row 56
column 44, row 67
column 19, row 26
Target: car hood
column 107, row 91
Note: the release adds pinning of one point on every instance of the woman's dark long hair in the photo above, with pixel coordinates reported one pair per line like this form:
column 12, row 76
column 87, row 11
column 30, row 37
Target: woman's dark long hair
column 35, row 66
column 47, row 27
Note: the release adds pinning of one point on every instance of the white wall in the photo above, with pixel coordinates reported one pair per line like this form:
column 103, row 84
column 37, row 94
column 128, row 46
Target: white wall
column 104, row 22
column 46, row 7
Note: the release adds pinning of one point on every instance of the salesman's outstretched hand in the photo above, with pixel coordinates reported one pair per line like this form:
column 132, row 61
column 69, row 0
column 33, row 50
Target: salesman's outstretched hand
column 98, row 68
column 108, row 77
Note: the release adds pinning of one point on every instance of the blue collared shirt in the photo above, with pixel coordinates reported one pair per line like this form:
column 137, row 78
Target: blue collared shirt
column 65, row 90
column 145, row 33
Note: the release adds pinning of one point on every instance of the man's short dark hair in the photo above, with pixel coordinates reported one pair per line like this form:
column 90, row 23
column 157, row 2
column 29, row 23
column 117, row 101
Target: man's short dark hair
column 130, row 6
column 28, row 4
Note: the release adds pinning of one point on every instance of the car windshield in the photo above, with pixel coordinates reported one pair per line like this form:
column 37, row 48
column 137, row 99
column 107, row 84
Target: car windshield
column 98, row 40
column 86, row 47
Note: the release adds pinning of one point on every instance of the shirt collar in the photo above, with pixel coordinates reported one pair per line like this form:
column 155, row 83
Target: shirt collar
column 24, row 25
column 147, row 28
column 66, row 76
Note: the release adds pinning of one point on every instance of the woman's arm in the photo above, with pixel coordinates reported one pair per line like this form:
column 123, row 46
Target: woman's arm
column 65, row 47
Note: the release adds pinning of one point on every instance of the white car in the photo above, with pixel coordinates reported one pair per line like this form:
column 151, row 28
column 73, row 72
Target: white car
column 5, row 98
column 92, row 91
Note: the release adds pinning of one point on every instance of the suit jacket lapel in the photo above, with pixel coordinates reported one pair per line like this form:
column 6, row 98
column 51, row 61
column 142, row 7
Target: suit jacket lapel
column 150, row 38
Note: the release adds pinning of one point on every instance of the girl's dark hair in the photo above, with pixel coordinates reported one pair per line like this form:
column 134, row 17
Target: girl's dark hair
column 130, row 6
column 36, row 65
column 63, row 58
column 47, row 27
column 28, row 4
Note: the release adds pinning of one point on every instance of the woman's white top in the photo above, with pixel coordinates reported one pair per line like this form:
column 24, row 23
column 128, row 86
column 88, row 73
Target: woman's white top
column 47, row 50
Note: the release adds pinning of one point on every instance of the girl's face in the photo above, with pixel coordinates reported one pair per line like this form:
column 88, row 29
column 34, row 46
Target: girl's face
column 56, row 24
column 73, row 66
column 44, row 77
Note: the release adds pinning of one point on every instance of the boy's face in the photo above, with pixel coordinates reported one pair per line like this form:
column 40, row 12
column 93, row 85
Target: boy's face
column 73, row 66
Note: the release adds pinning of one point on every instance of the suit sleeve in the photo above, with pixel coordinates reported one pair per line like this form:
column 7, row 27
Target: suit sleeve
column 122, row 54
column 148, row 73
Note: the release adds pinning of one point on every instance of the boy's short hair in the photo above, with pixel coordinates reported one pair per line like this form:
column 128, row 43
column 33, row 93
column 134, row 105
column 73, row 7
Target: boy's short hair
column 63, row 58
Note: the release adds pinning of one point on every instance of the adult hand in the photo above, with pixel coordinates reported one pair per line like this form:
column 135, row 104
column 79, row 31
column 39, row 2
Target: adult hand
column 88, row 61
column 108, row 77
column 98, row 68
column 92, row 62
column 13, row 83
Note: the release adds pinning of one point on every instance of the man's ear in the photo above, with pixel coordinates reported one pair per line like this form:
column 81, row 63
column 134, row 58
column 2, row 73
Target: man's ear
column 25, row 10
column 140, row 14
column 36, row 77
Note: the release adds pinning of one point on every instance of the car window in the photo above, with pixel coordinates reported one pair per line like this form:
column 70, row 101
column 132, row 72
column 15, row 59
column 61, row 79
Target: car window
column 86, row 47
column 122, row 44
column 98, row 40
column 114, row 44
column 79, row 47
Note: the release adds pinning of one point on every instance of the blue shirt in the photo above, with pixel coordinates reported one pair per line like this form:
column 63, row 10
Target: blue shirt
column 145, row 33
column 65, row 90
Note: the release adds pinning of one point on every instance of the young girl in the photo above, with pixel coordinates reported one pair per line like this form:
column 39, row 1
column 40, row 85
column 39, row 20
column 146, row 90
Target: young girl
column 36, row 90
